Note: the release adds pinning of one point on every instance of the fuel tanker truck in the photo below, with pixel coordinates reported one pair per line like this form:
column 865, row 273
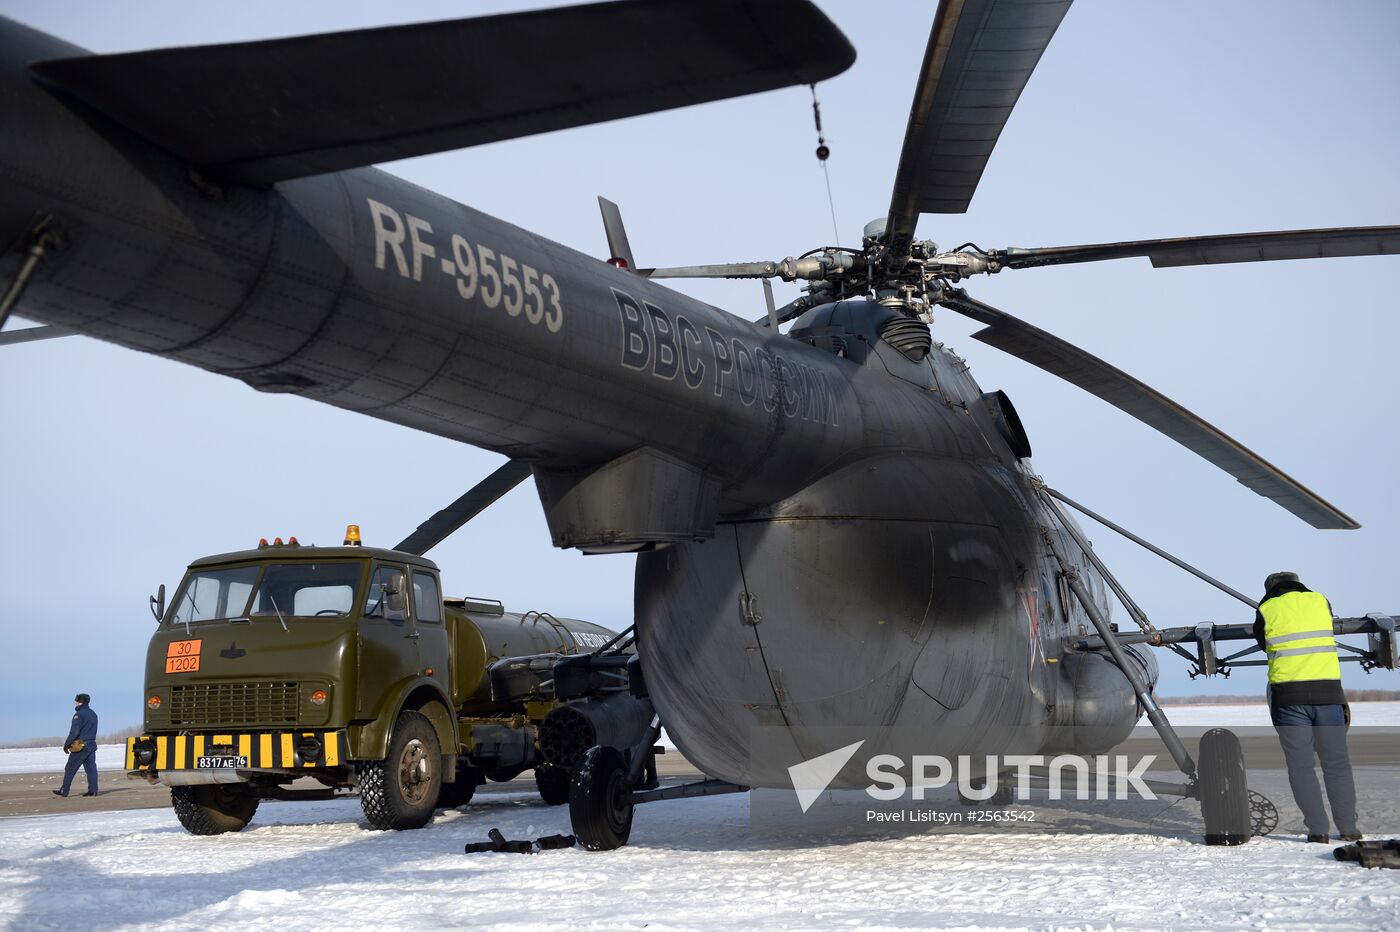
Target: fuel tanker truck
column 346, row 665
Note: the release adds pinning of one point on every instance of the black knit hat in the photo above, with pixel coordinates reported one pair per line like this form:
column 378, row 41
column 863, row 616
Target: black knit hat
column 83, row 698
column 1273, row 579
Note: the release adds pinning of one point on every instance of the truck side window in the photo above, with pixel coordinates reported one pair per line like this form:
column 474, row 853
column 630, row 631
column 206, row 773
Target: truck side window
column 427, row 601
column 387, row 597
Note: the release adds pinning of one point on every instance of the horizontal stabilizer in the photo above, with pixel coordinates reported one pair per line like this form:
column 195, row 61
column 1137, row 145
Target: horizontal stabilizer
column 262, row 112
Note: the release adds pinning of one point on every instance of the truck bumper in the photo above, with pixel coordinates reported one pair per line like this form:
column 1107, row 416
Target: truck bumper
column 186, row 758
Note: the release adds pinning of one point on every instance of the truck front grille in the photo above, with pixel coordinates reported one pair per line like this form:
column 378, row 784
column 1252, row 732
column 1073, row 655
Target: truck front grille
column 252, row 704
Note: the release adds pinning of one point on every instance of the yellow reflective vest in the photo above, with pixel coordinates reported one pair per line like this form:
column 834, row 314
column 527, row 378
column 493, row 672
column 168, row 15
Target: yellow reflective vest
column 1298, row 638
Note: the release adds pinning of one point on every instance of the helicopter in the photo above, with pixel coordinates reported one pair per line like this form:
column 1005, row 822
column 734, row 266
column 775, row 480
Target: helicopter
column 780, row 488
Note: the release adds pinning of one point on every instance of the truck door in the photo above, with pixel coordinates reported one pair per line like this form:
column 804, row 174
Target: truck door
column 388, row 646
column 434, row 651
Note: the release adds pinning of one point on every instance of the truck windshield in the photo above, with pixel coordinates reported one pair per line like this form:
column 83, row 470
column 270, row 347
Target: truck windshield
column 214, row 593
column 307, row 589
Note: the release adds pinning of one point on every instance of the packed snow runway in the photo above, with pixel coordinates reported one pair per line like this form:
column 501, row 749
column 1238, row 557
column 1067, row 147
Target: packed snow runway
column 692, row 864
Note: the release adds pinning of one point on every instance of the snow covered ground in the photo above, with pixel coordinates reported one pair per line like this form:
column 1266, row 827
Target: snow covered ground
column 692, row 864
column 1362, row 713
column 43, row 760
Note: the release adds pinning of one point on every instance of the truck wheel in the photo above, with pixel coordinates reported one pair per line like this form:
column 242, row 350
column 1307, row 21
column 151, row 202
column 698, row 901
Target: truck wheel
column 400, row 791
column 458, row 793
column 553, row 784
column 1223, row 789
column 213, row 808
column 598, row 807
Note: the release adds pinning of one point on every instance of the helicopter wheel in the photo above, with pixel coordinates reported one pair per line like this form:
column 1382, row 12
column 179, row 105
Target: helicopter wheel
column 1263, row 814
column 599, row 810
column 1224, row 791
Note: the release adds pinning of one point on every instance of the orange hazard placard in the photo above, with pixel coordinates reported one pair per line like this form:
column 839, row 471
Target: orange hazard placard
column 182, row 656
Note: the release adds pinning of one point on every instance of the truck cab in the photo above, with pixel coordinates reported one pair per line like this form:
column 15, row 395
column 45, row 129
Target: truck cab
column 342, row 664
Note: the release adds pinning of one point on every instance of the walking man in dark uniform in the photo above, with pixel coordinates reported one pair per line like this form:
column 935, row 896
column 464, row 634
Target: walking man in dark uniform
column 81, row 746
column 1306, row 702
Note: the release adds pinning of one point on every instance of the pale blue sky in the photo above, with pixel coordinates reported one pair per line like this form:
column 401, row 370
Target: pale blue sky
column 1143, row 119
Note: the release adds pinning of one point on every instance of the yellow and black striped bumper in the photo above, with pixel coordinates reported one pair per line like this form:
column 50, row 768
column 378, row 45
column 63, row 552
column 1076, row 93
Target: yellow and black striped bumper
column 265, row 750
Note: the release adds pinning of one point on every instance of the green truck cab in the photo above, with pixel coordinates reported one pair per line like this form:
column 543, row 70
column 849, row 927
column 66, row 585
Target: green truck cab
column 345, row 665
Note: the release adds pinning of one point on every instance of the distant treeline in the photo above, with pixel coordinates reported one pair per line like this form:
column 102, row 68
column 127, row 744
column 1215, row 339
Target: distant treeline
column 115, row 737
column 1353, row 695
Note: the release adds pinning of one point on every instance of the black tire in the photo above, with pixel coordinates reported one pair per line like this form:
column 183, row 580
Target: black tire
column 598, row 810
column 1224, row 789
column 213, row 808
column 400, row 791
column 458, row 793
column 553, row 784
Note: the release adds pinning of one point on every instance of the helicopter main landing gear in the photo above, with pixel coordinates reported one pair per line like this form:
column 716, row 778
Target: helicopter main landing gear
column 607, row 785
column 1223, row 790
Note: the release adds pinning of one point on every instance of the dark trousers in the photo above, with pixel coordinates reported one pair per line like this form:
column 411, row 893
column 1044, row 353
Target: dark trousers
column 1308, row 730
column 86, row 759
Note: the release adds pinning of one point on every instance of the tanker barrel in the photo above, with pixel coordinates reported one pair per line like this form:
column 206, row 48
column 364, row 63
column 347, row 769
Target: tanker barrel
column 617, row 720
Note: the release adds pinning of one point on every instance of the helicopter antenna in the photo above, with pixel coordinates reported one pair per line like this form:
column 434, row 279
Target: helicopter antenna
column 823, row 153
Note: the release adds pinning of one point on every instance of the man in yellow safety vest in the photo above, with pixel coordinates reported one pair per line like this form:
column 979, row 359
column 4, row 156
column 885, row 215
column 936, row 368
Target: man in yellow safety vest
column 1306, row 702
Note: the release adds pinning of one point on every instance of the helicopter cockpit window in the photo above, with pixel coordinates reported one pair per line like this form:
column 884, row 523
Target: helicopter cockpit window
column 387, row 597
column 307, row 589
column 208, row 595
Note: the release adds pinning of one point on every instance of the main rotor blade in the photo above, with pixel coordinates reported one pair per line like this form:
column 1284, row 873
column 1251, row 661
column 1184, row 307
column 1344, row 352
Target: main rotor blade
column 979, row 57
column 1069, row 362
column 450, row 519
column 727, row 270
column 1211, row 250
column 262, row 112
column 30, row 334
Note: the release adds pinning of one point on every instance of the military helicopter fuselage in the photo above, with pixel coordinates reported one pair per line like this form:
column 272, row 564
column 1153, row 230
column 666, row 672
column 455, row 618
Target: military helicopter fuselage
column 834, row 532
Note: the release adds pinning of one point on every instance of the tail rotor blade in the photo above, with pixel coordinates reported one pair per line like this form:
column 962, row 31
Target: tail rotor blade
column 1060, row 357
